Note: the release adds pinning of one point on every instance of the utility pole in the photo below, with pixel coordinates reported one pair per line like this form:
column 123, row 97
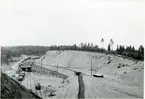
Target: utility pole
column 91, row 67
column 27, row 80
column 41, row 64
column 41, row 61
column 57, row 64
column 30, row 80
column 95, row 69
column 57, row 67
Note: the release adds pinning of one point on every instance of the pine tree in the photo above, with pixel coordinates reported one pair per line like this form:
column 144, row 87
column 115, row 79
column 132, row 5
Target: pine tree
column 111, row 43
column 141, row 49
column 109, row 47
column 102, row 40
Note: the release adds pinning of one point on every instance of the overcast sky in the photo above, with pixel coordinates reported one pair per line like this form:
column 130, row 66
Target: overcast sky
column 65, row 22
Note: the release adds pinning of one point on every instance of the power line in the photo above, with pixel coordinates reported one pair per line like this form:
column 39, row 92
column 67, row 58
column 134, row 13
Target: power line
column 62, row 66
column 56, row 66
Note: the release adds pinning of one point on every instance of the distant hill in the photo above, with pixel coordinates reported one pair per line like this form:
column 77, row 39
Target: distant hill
column 17, row 51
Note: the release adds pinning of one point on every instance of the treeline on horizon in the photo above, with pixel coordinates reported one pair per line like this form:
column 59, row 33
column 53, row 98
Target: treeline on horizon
column 128, row 51
column 17, row 51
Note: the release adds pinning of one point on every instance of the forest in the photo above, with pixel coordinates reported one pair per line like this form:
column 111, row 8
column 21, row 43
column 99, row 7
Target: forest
column 16, row 51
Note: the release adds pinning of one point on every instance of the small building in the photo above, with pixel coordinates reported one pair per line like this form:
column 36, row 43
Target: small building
column 27, row 66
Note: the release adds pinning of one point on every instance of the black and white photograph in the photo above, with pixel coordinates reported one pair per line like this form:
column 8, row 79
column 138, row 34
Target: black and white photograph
column 72, row 49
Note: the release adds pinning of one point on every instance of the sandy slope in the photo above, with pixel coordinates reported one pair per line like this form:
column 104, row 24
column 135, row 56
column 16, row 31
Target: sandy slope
column 70, row 90
column 123, row 77
column 108, row 88
column 130, row 71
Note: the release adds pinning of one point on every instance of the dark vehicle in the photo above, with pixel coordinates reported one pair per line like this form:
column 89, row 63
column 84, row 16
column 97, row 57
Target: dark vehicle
column 98, row 75
column 28, row 58
column 51, row 94
column 13, row 75
column 38, row 86
column 20, row 78
column 22, row 73
column 77, row 73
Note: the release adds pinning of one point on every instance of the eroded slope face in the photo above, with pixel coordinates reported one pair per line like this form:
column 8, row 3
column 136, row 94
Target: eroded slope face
column 123, row 69
column 123, row 78
column 74, row 59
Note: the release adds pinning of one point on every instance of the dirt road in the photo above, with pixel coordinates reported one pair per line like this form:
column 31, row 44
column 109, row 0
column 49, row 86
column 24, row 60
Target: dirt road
column 109, row 88
column 70, row 90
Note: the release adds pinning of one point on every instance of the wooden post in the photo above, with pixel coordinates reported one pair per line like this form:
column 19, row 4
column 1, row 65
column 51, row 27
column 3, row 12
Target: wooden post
column 27, row 80
column 41, row 65
column 57, row 65
column 40, row 62
column 30, row 80
column 91, row 67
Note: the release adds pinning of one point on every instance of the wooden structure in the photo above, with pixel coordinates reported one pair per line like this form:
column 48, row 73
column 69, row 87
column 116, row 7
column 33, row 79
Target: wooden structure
column 46, row 71
column 27, row 66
